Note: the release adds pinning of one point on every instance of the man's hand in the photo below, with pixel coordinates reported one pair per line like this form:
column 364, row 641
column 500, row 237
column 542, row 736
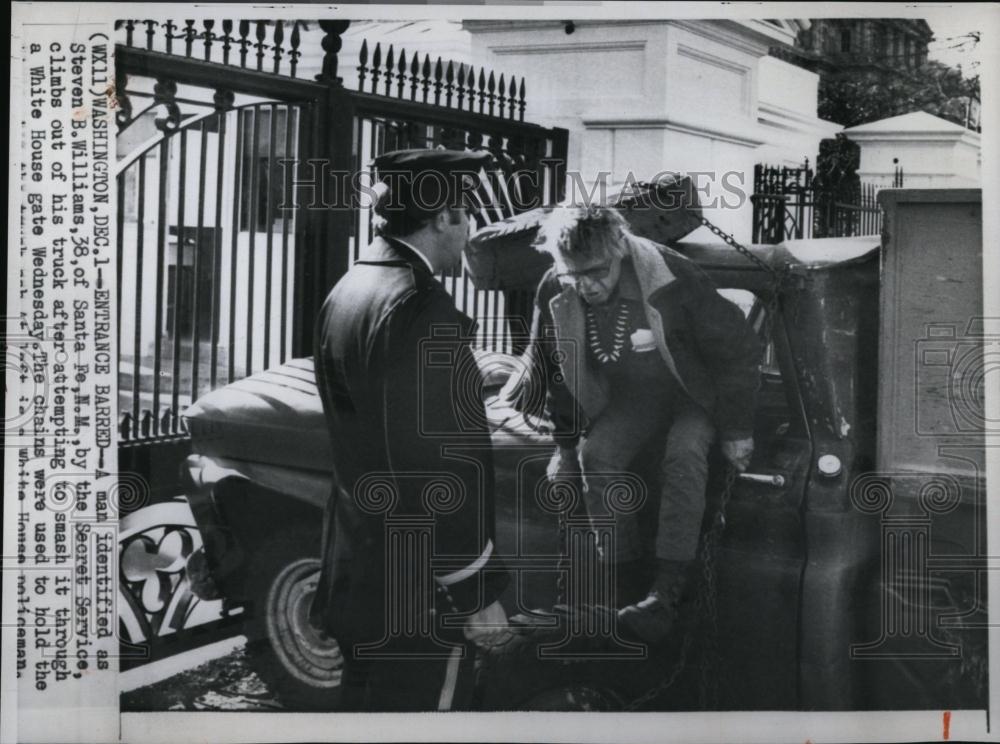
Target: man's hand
column 565, row 464
column 488, row 627
column 738, row 452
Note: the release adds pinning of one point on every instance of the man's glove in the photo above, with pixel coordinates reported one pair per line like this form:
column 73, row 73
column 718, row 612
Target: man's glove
column 738, row 452
column 565, row 464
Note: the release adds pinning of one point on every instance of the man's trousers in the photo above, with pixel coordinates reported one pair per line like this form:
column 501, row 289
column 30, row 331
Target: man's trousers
column 615, row 438
column 412, row 674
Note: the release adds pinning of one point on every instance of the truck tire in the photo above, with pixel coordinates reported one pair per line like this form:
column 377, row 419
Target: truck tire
column 300, row 665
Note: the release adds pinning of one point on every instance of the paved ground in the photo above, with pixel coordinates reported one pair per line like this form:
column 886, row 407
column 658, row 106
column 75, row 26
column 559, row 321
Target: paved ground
column 225, row 683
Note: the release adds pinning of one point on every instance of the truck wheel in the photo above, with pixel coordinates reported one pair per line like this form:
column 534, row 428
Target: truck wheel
column 301, row 666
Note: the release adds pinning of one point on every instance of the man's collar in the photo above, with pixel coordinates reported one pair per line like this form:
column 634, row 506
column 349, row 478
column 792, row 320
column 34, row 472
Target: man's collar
column 413, row 248
column 651, row 271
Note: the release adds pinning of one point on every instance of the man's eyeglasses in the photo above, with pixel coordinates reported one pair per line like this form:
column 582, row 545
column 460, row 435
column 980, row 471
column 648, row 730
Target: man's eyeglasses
column 594, row 273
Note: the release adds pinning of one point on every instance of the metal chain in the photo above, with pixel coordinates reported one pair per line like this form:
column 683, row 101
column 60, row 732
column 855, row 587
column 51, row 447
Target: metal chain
column 562, row 566
column 654, row 692
column 707, row 611
column 728, row 240
column 708, row 596
column 740, row 248
column 707, row 600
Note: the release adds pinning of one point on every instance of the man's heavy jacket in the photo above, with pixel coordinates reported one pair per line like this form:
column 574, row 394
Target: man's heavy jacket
column 411, row 452
column 704, row 339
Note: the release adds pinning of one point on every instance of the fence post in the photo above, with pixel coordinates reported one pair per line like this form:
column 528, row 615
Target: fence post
column 560, row 148
column 323, row 232
column 520, row 304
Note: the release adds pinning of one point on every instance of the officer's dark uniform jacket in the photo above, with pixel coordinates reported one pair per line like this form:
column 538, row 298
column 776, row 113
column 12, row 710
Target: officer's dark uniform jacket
column 410, row 447
column 704, row 339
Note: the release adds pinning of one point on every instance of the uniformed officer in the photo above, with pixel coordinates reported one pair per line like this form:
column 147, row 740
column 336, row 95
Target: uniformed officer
column 410, row 575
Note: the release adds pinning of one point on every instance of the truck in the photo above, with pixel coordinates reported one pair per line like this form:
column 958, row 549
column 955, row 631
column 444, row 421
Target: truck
column 845, row 571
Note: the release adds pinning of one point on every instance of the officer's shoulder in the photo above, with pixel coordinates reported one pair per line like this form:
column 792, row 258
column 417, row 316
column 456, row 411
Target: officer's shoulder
column 393, row 277
column 422, row 293
column 381, row 290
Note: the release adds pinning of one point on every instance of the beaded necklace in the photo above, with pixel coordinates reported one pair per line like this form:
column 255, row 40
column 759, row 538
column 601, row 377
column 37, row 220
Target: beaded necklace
column 618, row 340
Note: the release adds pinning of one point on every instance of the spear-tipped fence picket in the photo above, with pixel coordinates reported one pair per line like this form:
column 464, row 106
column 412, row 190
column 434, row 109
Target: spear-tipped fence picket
column 438, row 82
column 222, row 260
column 275, row 47
column 792, row 204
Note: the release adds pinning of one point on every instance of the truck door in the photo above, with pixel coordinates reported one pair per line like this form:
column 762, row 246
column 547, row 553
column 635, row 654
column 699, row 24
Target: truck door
column 761, row 556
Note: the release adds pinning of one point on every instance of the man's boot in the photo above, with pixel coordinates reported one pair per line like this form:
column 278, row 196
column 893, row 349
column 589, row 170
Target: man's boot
column 653, row 619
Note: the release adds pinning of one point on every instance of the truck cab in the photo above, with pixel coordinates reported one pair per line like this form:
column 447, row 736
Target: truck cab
column 849, row 572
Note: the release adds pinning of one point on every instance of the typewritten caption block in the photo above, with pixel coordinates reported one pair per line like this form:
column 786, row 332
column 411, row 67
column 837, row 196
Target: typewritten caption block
column 59, row 439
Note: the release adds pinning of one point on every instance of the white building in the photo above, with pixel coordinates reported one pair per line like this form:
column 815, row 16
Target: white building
column 638, row 97
column 644, row 96
column 932, row 152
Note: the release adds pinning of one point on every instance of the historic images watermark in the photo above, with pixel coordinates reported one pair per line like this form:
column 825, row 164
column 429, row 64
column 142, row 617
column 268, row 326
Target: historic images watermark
column 316, row 185
column 584, row 536
column 931, row 596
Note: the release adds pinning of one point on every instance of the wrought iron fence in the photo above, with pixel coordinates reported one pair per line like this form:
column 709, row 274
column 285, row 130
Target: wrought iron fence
column 204, row 261
column 224, row 258
column 222, row 261
column 527, row 173
column 263, row 41
column 454, row 84
column 792, row 204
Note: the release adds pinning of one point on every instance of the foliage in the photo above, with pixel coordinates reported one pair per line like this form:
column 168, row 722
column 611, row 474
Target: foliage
column 858, row 98
column 837, row 165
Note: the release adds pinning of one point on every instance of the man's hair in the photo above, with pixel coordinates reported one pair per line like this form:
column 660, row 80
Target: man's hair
column 403, row 205
column 582, row 232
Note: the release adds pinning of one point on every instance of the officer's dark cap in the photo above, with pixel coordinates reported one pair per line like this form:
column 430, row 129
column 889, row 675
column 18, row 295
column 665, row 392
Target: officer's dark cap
column 415, row 162
column 417, row 184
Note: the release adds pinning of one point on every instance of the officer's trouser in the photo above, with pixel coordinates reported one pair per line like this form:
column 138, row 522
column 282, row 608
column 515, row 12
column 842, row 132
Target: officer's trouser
column 407, row 682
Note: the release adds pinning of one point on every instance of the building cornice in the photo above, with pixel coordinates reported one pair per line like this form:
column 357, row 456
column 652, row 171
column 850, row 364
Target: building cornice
column 735, row 34
column 788, row 119
column 481, row 26
column 751, row 36
column 735, row 134
column 967, row 137
column 634, row 45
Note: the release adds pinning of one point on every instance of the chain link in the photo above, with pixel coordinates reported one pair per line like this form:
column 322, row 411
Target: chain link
column 708, row 597
column 707, row 600
column 654, row 692
column 740, row 248
column 731, row 241
column 778, row 278
column 708, row 613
